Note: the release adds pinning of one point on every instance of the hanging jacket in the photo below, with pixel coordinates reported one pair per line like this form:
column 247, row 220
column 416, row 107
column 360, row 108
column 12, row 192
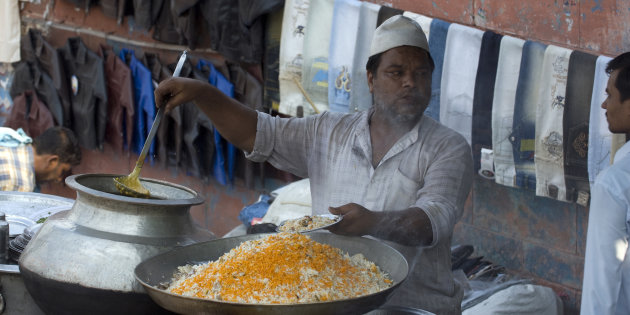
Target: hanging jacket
column 30, row 114
column 218, row 80
column 198, row 133
column 88, row 92
column 165, row 30
column 169, row 134
column 143, row 99
column 120, row 109
column 35, row 49
column 114, row 9
column 145, row 12
column 236, row 29
column 186, row 20
column 29, row 76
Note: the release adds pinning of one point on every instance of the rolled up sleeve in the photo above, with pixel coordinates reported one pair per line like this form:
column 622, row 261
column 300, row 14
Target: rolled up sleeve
column 447, row 183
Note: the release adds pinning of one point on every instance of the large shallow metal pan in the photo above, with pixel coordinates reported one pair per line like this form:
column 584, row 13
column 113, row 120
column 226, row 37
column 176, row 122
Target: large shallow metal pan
column 159, row 269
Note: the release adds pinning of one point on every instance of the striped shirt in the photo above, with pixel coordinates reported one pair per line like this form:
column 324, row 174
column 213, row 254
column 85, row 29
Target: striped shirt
column 430, row 167
column 17, row 172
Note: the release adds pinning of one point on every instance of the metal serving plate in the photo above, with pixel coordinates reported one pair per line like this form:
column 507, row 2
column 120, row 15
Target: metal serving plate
column 159, row 269
column 336, row 218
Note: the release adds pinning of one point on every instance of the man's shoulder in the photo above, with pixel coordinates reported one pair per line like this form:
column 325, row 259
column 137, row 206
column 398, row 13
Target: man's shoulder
column 615, row 177
column 441, row 133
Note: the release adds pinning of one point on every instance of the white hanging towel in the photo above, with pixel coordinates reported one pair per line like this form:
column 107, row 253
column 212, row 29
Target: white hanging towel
column 549, row 157
column 291, row 51
column 9, row 31
column 598, row 134
column 508, row 69
column 343, row 39
column 316, row 47
column 461, row 58
column 361, row 98
column 423, row 21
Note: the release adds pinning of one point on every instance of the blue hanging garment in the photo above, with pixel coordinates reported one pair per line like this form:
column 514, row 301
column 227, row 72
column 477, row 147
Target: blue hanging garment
column 218, row 161
column 143, row 99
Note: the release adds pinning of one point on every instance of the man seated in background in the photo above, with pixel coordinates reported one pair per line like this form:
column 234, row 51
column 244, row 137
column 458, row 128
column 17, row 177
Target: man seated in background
column 606, row 286
column 50, row 157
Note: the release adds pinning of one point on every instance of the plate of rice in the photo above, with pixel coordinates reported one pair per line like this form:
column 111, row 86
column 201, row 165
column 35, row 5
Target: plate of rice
column 309, row 223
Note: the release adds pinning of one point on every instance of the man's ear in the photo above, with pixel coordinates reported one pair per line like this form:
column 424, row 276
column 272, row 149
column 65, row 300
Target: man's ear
column 52, row 161
column 370, row 80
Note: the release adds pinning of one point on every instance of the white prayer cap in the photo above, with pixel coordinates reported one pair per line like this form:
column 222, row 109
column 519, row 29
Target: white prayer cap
column 398, row 31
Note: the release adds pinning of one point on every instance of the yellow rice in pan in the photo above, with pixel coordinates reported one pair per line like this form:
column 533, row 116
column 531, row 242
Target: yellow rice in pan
column 282, row 268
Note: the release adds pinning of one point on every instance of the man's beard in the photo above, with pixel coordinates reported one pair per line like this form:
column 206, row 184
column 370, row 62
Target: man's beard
column 394, row 116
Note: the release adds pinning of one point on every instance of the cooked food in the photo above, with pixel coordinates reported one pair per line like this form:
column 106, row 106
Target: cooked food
column 306, row 223
column 285, row 268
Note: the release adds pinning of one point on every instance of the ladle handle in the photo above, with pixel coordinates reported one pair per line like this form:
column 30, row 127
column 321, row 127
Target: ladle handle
column 158, row 116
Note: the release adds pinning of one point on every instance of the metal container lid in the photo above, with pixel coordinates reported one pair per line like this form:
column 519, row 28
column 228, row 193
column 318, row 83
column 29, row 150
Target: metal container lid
column 24, row 209
column 31, row 205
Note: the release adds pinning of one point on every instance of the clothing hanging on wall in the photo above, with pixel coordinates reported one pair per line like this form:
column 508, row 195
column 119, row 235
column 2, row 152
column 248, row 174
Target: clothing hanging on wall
column 30, row 114
column 6, row 80
column 225, row 152
column 9, row 31
column 461, row 59
column 186, row 17
column 170, row 132
column 88, row 92
column 484, row 93
column 549, row 157
column 575, row 125
column 197, row 132
column 360, row 95
column 114, row 9
column 146, row 12
column 271, row 63
column 385, row 13
column 437, row 46
column 120, row 108
column 236, row 27
column 291, row 51
column 35, row 49
column 29, row 76
column 503, row 102
column 524, row 125
column 343, row 40
column 143, row 100
column 316, row 49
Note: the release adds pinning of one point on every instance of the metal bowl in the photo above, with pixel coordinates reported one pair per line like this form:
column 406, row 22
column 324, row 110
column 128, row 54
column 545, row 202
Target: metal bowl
column 159, row 269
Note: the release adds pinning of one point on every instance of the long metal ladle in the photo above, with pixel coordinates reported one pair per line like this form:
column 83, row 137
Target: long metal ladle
column 130, row 185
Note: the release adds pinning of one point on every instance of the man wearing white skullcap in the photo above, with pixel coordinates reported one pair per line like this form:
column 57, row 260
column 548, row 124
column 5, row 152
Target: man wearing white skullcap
column 393, row 173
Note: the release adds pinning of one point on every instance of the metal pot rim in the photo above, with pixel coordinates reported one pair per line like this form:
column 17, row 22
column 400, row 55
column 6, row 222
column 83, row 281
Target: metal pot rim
column 72, row 181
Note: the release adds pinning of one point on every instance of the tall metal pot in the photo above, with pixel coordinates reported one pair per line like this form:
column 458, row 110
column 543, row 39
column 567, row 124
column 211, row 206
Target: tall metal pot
column 82, row 261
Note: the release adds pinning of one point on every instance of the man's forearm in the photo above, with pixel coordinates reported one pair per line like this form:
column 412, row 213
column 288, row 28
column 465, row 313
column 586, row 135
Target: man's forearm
column 234, row 121
column 410, row 227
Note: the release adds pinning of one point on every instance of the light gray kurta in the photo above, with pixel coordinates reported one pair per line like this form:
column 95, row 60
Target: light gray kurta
column 430, row 167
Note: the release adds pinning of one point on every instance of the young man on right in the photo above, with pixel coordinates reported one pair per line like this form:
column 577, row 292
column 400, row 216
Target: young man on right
column 606, row 285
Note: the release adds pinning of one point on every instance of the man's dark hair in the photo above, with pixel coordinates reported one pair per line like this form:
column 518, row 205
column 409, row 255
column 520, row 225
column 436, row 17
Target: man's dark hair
column 59, row 141
column 374, row 61
column 621, row 63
